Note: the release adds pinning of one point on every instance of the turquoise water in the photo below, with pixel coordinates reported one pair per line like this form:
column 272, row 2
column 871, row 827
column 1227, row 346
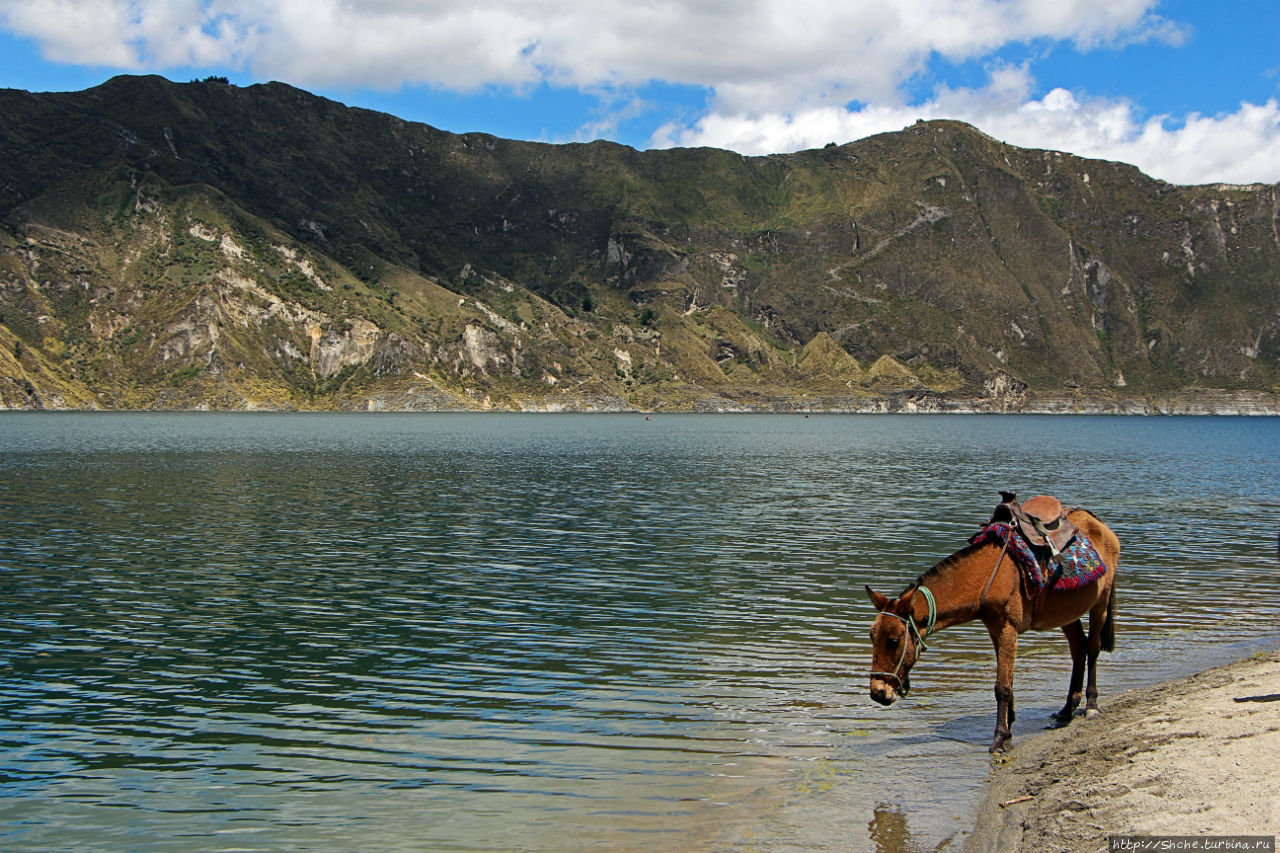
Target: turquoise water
column 559, row 632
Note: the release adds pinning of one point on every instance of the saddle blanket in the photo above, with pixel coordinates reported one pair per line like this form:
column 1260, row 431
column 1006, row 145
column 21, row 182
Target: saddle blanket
column 1081, row 563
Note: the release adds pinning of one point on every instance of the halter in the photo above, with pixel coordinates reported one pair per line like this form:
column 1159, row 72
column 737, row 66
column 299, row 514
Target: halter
column 913, row 630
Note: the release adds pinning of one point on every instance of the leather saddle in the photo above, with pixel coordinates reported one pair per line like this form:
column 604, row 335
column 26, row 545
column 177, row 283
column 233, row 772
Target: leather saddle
column 1041, row 520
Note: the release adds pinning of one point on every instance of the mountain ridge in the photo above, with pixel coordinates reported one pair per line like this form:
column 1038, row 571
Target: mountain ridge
column 203, row 245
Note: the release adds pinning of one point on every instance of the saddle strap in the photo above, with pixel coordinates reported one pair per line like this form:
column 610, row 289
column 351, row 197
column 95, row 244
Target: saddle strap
column 982, row 599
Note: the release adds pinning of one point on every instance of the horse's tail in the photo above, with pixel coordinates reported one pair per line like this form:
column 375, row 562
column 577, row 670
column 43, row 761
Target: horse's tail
column 1109, row 624
column 1109, row 537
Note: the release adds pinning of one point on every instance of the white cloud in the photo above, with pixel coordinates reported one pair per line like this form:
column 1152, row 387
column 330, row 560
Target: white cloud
column 129, row 35
column 755, row 53
column 71, row 31
column 1237, row 147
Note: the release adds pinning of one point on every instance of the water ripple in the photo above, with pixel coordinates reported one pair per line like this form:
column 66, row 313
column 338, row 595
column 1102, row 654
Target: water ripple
column 517, row 633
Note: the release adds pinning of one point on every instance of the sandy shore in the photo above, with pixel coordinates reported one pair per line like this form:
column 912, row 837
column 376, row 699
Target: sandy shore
column 1198, row 756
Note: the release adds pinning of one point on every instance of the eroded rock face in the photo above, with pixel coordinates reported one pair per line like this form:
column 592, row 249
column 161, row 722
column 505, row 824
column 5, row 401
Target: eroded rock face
column 1005, row 392
column 331, row 351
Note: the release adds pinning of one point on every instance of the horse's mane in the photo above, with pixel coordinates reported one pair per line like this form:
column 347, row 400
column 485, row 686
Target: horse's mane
column 1087, row 512
column 943, row 566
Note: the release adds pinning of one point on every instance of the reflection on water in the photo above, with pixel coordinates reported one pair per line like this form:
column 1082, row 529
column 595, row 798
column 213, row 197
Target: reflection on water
column 889, row 832
column 274, row 632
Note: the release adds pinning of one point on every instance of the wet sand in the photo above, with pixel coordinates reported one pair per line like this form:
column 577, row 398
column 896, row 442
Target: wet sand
column 1196, row 756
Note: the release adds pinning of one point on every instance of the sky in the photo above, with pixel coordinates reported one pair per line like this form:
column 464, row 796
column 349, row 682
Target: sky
column 1187, row 90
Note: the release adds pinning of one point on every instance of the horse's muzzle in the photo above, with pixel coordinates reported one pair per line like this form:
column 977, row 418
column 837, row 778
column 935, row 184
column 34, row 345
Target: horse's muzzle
column 883, row 692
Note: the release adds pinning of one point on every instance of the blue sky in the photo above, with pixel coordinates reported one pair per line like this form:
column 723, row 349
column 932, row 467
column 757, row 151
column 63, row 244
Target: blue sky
column 1187, row 91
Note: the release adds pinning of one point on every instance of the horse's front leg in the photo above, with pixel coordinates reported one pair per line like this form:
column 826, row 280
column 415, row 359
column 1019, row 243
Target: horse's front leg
column 1005, row 639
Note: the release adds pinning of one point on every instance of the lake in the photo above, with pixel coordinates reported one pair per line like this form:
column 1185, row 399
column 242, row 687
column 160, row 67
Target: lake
column 486, row 632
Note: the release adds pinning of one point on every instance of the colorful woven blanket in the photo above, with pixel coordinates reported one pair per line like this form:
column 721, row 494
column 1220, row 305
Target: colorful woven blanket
column 1081, row 563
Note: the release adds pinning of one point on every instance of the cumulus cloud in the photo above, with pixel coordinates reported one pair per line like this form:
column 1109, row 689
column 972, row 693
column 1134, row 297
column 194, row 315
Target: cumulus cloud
column 69, row 31
column 760, row 53
column 127, row 35
column 1237, row 147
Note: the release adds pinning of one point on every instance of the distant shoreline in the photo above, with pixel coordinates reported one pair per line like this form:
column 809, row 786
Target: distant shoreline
column 1206, row 403
column 1244, row 412
column 415, row 397
column 1193, row 756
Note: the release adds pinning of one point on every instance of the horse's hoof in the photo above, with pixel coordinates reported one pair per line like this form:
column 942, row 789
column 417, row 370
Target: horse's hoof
column 1091, row 712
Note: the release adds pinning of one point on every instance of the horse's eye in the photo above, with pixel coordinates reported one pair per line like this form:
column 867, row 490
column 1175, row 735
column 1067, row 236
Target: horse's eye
column 893, row 641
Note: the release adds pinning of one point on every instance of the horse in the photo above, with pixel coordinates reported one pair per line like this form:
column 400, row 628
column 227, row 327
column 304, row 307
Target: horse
column 979, row 582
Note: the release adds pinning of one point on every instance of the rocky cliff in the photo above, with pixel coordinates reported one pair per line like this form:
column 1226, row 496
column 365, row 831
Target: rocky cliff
column 207, row 246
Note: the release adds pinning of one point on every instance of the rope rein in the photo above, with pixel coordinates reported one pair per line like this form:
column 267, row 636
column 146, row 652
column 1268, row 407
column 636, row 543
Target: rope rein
column 933, row 619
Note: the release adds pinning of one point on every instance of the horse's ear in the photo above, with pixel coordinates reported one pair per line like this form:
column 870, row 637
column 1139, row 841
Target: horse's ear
column 877, row 599
column 904, row 601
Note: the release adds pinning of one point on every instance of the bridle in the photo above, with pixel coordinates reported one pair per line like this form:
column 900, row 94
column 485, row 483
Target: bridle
column 913, row 631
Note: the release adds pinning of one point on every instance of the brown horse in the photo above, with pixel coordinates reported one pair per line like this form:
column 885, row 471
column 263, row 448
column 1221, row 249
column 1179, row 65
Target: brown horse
column 979, row 582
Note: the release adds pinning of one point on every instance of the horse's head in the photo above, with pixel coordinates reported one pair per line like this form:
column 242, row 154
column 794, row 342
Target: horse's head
column 895, row 645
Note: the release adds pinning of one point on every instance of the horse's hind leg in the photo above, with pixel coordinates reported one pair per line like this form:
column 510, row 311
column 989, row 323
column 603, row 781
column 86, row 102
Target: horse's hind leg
column 1077, row 643
column 1096, row 622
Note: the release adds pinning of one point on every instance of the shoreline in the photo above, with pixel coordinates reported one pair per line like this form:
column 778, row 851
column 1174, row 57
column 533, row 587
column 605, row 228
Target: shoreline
column 1195, row 756
column 1029, row 412
column 1259, row 403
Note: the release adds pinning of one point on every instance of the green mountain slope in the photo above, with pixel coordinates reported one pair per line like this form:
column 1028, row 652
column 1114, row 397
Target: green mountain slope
column 201, row 245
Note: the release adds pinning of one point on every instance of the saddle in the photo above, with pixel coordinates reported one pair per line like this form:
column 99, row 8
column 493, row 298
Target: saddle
column 1041, row 520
